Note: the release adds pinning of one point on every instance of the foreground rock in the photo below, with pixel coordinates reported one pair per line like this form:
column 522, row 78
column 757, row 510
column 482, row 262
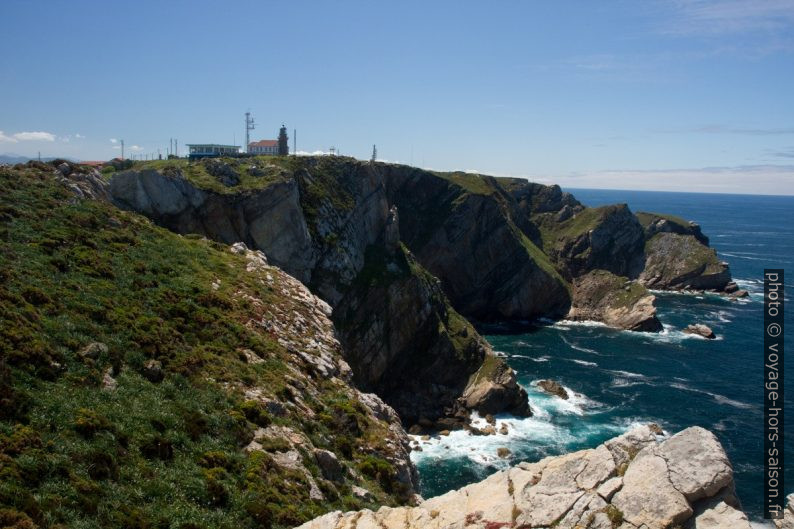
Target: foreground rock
column 700, row 330
column 631, row 481
column 787, row 522
column 602, row 296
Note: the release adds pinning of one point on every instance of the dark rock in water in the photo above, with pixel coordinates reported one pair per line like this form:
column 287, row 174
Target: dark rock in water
column 553, row 387
column 731, row 287
column 503, row 452
column 493, row 389
column 740, row 294
column 415, row 429
column 700, row 330
column 449, row 423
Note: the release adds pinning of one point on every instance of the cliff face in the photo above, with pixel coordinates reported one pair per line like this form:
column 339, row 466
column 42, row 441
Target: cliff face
column 469, row 232
column 628, row 482
column 606, row 238
column 328, row 222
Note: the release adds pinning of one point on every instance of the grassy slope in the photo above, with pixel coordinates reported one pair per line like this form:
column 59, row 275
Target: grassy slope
column 253, row 173
column 646, row 218
column 145, row 455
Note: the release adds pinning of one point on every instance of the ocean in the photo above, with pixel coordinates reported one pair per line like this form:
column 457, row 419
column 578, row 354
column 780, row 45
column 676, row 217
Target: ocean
column 620, row 378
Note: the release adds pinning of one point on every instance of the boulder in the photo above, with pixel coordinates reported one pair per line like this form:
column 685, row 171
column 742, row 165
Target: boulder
column 553, row 387
column 493, row 389
column 717, row 514
column 700, row 330
column 153, row 371
column 329, row 464
column 93, row 350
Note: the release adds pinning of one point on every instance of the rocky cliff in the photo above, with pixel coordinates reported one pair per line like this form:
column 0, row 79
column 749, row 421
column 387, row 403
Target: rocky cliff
column 503, row 249
column 634, row 481
column 328, row 222
column 467, row 230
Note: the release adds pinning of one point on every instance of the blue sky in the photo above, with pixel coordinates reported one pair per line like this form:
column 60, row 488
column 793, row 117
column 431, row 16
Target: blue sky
column 672, row 95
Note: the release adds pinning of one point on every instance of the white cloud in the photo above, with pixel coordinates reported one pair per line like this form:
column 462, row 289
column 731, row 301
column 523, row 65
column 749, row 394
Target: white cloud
column 136, row 148
column 113, row 140
column 79, row 136
column 731, row 16
column 6, row 139
column 34, row 136
column 753, row 179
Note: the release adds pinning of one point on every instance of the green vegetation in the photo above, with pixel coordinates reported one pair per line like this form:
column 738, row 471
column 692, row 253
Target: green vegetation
column 540, row 258
column 488, row 370
column 588, row 219
column 89, row 292
column 681, row 253
column 647, row 218
column 226, row 175
column 614, row 291
column 475, row 184
column 614, row 514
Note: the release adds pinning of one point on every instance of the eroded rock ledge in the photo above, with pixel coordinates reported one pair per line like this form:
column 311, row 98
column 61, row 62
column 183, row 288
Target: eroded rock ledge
column 634, row 481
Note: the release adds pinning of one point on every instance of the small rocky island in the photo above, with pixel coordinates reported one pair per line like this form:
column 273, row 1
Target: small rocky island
column 272, row 326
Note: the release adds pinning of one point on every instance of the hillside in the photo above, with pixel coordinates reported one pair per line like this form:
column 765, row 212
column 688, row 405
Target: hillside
column 137, row 363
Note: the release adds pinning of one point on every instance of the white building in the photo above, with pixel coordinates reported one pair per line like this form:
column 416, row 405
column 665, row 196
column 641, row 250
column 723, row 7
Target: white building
column 263, row 147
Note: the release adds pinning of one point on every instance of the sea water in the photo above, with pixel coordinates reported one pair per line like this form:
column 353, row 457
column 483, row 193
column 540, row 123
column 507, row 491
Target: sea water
column 618, row 379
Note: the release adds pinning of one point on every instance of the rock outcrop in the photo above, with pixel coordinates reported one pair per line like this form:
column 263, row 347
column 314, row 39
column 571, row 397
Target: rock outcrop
column 633, row 481
column 681, row 262
column 700, row 330
column 554, row 388
column 602, row 296
column 605, row 238
column 468, row 231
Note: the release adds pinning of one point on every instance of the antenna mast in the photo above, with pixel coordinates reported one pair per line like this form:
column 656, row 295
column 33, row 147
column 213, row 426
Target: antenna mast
column 249, row 126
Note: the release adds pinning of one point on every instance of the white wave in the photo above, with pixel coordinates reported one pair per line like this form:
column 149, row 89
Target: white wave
column 543, row 358
column 583, row 362
column 482, row 449
column 583, row 323
column 720, row 399
column 580, row 348
column 628, row 374
column 546, row 404
column 737, row 256
column 500, row 354
column 618, row 382
column 670, row 334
